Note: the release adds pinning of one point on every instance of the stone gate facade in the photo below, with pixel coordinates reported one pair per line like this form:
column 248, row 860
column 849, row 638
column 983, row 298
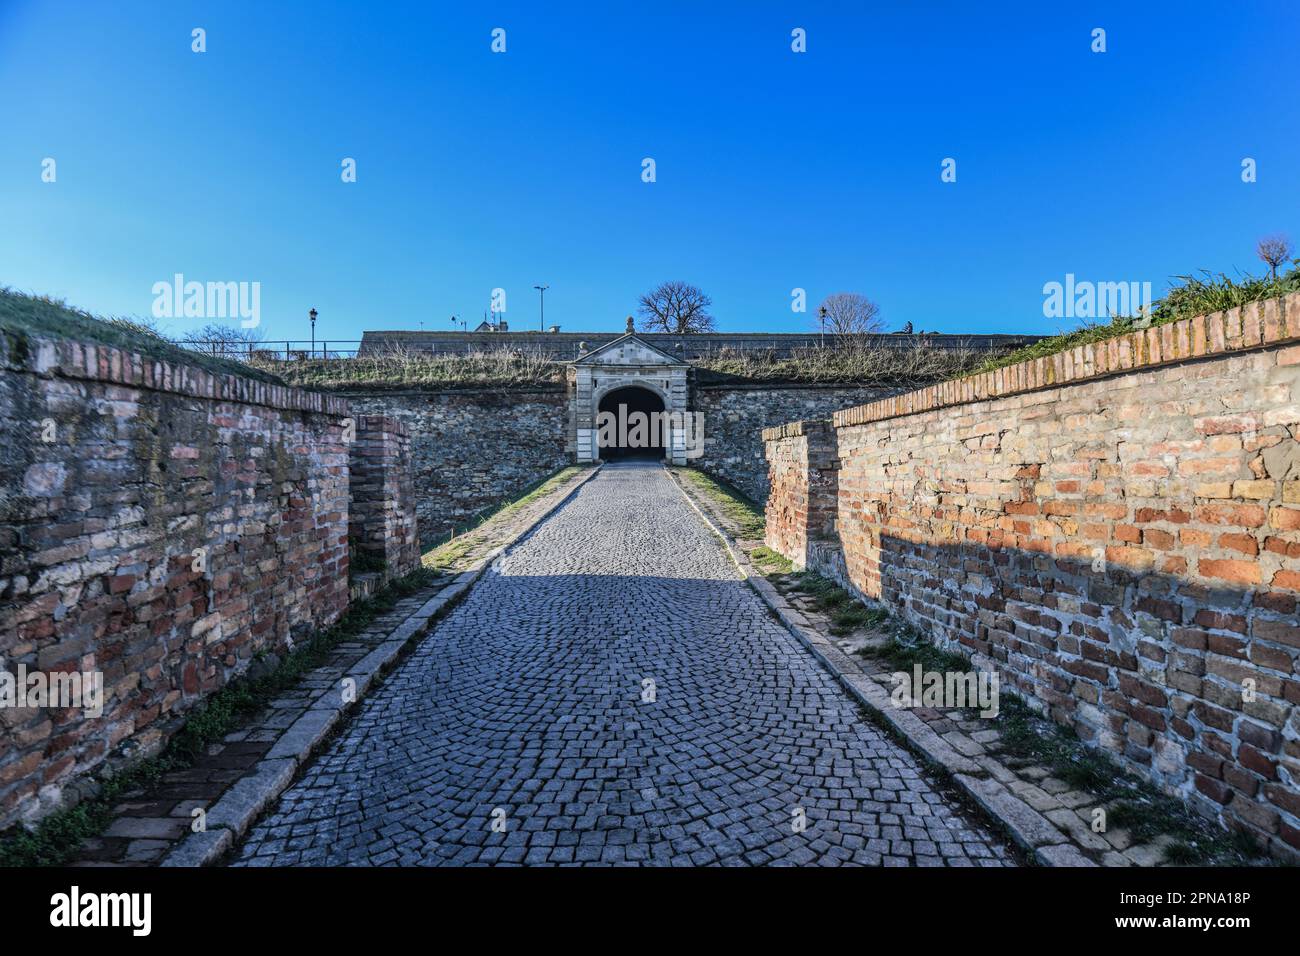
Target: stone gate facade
column 626, row 362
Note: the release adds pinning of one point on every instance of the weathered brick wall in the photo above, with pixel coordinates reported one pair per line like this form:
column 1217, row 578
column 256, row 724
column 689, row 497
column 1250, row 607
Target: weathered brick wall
column 116, row 468
column 473, row 448
column 803, row 474
column 1117, row 529
column 736, row 414
column 382, row 525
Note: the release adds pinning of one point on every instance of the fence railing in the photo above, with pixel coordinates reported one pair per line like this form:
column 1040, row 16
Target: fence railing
column 284, row 350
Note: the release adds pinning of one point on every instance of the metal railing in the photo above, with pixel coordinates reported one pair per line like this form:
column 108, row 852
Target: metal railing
column 284, row 350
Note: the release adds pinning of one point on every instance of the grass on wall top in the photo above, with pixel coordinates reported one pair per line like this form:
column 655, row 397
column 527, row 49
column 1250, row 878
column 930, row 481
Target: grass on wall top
column 401, row 368
column 844, row 362
column 23, row 315
column 1197, row 295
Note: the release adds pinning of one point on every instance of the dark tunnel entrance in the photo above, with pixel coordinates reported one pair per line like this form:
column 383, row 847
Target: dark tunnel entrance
column 630, row 424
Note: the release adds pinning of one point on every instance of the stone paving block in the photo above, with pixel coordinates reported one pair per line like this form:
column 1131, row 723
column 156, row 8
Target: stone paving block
column 617, row 690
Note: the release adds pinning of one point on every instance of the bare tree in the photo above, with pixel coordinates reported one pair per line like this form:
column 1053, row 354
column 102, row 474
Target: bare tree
column 1274, row 250
column 676, row 307
column 219, row 339
column 849, row 314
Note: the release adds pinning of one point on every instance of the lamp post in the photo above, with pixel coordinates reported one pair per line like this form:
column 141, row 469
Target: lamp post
column 312, row 316
column 541, row 295
column 821, row 314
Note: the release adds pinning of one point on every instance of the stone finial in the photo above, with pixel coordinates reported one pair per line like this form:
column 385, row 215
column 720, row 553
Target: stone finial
column 629, row 324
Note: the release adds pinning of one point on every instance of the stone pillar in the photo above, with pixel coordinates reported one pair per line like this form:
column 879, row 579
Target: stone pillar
column 583, row 417
column 381, row 524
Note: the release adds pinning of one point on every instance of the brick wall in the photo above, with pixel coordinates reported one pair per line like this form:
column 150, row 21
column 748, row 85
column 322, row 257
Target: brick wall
column 803, row 477
column 473, row 448
column 382, row 526
column 116, row 468
column 1117, row 529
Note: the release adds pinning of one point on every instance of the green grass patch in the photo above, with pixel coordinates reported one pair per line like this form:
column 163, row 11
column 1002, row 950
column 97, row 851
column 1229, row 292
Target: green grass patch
column 1026, row 734
column 455, row 549
column 57, row 838
column 847, row 360
column 847, row 614
column 769, row 561
column 902, row 653
column 745, row 517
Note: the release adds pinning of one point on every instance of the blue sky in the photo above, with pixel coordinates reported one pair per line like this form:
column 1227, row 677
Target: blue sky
column 775, row 170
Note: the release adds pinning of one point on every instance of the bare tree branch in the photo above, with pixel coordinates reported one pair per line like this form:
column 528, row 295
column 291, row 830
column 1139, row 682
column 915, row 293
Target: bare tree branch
column 1274, row 250
column 849, row 315
column 676, row 307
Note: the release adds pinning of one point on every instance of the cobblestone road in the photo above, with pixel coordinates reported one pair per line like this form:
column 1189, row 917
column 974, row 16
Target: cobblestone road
column 525, row 709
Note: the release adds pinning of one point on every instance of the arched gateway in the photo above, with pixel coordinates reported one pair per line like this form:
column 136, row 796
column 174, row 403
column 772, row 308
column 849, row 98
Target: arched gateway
column 634, row 375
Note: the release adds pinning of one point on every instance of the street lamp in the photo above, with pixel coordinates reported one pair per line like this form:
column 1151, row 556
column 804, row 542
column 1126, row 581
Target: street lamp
column 312, row 316
column 821, row 314
column 541, row 294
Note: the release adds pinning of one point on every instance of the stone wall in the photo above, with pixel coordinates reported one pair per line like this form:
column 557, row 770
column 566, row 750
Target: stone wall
column 1117, row 530
column 159, row 526
column 382, row 524
column 735, row 415
column 474, row 448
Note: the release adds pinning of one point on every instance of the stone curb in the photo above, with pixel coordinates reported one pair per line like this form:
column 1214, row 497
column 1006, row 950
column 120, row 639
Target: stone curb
column 237, row 809
column 1032, row 831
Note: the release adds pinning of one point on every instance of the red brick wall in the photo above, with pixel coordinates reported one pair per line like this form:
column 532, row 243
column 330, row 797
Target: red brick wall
column 116, row 467
column 802, row 475
column 382, row 521
column 1125, row 548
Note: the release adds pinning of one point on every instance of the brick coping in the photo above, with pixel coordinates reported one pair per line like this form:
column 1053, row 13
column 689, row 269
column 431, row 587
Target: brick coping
column 1266, row 323
column 70, row 358
column 794, row 429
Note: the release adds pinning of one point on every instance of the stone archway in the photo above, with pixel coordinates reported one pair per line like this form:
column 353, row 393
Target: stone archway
column 629, row 424
column 647, row 373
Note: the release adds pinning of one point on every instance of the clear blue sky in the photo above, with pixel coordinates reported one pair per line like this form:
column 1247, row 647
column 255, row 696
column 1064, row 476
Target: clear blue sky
column 775, row 170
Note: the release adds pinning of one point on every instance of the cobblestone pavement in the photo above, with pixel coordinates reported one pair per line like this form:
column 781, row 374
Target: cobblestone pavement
column 519, row 732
